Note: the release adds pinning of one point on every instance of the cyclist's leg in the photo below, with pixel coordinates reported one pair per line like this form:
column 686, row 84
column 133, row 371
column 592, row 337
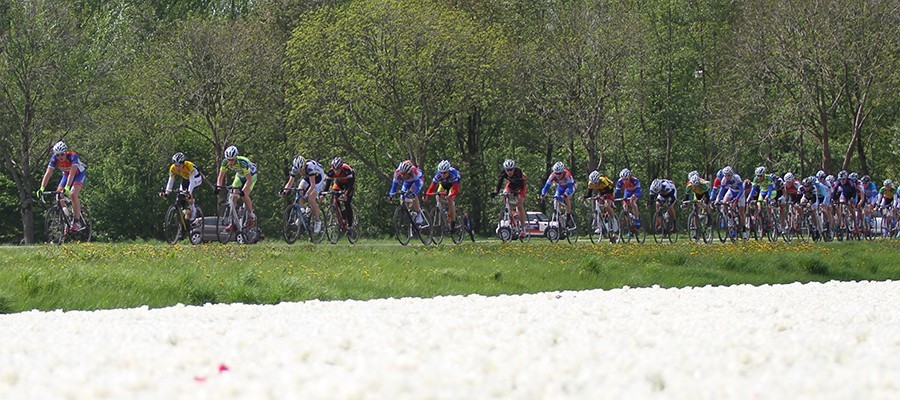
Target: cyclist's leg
column 247, row 201
column 520, row 205
column 348, row 206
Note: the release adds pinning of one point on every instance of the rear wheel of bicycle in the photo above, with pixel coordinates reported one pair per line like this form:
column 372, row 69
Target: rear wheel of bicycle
column 172, row 228
column 402, row 225
column 291, row 224
column 87, row 232
column 332, row 225
column 438, row 227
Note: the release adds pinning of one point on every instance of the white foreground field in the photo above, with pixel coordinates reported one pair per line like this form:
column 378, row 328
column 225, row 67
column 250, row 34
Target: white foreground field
column 834, row 340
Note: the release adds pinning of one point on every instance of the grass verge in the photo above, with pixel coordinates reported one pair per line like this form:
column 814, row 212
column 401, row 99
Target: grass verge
column 104, row 276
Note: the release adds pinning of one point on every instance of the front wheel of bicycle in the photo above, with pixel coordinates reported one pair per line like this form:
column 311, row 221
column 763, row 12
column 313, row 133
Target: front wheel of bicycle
column 402, row 225
column 457, row 231
column 291, row 224
column 332, row 224
column 224, row 220
column 55, row 225
column 438, row 227
column 571, row 230
column 659, row 226
column 426, row 228
column 172, row 226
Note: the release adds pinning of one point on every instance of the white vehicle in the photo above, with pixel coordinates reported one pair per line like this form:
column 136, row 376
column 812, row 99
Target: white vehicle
column 537, row 223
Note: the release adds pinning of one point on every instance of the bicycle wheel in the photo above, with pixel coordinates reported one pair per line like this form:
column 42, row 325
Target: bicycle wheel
column 172, row 226
column 458, row 231
column 626, row 231
column 425, row 230
column 802, row 227
column 640, row 232
column 325, row 218
column 55, row 225
column 332, row 224
column 223, row 220
column 659, row 226
column 671, row 231
column 291, row 224
column 722, row 226
column 353, row 227
column 786, row 227
column 869, row 227
column 553, row 231
column 693, row 228
column 402, row 225
column 614, row 233
column 595, row 232
column 571, row 229
column 440, row 225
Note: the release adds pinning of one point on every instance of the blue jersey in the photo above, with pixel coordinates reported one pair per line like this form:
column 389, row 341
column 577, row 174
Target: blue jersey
column 630, row 185
column 871, row 191
column 734, row 185
column 566, row 180
column 451, row 178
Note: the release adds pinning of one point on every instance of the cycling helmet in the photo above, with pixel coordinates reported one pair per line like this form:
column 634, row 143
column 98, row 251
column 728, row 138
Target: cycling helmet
column 337, row 163
column 443, row 166
column 594, row 177
column 178, row 158
column 655, row 186
column 888, row 183
column 231, row 152
column 760, row 171
column 854, row 176
column 624, row 173
column 820, row 175
column 842, row 175
column 788, row 177
column 693, row 173
column 727, row 171
column 298, row 163
column 509, row 164
column 866, row 179
column 405, row 167
column 695, row 179
column 60, row 147
column 829, row 179
column 808, row 181
column 559, row 167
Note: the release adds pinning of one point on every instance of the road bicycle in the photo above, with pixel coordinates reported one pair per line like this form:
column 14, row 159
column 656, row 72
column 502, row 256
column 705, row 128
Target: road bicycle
column 699, row 225
column 728, row 222
column 505, row 231
column 845, row 222
column 559, row 225
column 297, row 219
column 60, row 217
column 809, row 228
column 628, row 223
column 180, row 222
column 889, row 227
column 405, row 225
column 603, row 222
column 443, row 224
column 235, row 219
column 335, row 223
column 663, row 224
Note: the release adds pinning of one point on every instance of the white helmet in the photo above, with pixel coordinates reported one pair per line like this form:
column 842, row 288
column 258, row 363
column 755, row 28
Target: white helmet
column 443, row 166
column 788, row 177
column 693, row 173
column 655, row 186
column 298, row 163
column 854, row 176
column 337, row 163
column 594, row 177
column 405, row 167
column 888, row 183
column 559, row 167
column 231, row 152
column 509, row 164
column 727, row 171
column 760, row 171
column 820, row 175
column 829, row 179
column 624, row 173
column 60, row 147
column 178, row 158
column 695, row 179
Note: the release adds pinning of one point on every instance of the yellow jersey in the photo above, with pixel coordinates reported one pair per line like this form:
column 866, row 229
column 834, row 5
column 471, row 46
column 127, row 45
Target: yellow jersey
column 187, row 170
column 603, row 185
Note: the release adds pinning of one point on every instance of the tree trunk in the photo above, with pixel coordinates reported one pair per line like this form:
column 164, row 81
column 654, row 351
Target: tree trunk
column 27, row 211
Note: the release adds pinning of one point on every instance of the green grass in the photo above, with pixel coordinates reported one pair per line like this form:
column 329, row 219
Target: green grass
column 102, row 276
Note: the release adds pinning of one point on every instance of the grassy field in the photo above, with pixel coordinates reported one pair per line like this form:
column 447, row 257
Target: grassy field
column 102, row 276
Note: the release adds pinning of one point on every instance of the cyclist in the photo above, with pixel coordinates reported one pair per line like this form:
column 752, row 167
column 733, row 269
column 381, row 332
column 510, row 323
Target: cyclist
column 629, row 187
column 716, row 184
column 565, row 187
column 342, row 177
column 811, row 193
column 886, row 194
column 825, row 203
column 412, row 180
column 731, row 190
column 517, row 186
column 312, row 182
column 792, row 194
column 600, row 189
column 869, row 192
column 665, row 192
column 762, row 187
column 73, row 178
column 846, row 193
column 190, row 179
column 245, row 177
column 446, row 180
column 700, row 188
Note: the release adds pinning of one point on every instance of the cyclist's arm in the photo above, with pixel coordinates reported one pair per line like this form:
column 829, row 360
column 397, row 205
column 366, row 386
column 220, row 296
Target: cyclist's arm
column 546, row 186
column 431, row 190
column 290, row 182
column 47, row 175
column 500, row 179
column 393, row 190
column 454, row 190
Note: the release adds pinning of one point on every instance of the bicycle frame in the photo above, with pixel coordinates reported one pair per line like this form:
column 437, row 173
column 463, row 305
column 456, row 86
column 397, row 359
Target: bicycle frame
column 508, row 224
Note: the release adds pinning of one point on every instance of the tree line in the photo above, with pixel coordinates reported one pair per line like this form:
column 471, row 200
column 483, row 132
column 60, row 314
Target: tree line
column 661, row 87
